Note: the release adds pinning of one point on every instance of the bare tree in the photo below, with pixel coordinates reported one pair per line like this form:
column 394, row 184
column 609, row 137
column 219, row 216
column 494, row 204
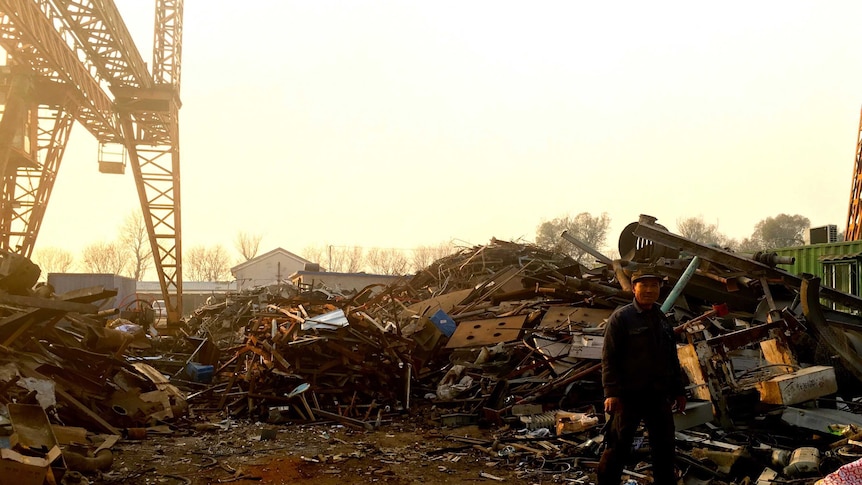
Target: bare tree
column 387, row 261
column 194, row 262
column 207, row 264
column 136, row 241
column 52, row 259
column 345, row 259
column 315, row 253
column 591, row 230
column 696, row 229
column 423, row 256
column 247, row 244
column 104, row 257
column 218, row 264
column 342, row 259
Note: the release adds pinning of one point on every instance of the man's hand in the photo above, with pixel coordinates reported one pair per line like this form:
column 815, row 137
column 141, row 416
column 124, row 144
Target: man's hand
column 612, row 405
column 680, row 403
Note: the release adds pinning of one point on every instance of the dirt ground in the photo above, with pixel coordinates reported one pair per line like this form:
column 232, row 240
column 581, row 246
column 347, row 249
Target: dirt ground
column 401, row 451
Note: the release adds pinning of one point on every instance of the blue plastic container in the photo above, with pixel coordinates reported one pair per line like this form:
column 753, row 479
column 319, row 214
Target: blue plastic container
column 199, row 372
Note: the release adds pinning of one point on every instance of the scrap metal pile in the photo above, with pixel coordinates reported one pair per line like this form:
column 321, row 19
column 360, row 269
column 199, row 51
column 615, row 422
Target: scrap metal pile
column 509, row 333
column 504, row 335
column 64, row 375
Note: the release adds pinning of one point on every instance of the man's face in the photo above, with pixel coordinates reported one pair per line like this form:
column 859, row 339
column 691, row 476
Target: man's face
column 647, row 291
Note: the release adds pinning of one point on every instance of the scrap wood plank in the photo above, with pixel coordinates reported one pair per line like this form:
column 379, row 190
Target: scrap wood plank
column 28, row 372
column 230, row 383
column 344, row 351
column 233, row 359
column 276, row 356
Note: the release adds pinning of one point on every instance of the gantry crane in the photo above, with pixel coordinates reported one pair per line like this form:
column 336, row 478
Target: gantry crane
column 74, row 60
column 853, row 231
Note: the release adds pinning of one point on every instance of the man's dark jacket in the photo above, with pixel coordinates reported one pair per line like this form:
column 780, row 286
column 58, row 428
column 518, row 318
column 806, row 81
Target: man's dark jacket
column 639, row 355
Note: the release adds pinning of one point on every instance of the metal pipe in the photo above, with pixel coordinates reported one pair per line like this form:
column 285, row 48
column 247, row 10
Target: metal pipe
column 586, row 248
column 680, row 284
column 409, row 372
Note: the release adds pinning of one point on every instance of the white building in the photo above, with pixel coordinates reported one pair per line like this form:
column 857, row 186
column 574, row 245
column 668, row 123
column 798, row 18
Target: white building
column 270, row 268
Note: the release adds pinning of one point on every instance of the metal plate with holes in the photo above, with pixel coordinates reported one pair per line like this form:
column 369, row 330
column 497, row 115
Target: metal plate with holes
column 563, row 316
column 487, row 332
column 445, row 302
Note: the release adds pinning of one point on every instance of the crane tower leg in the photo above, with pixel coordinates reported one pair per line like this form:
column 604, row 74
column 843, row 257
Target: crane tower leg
column 853, row 232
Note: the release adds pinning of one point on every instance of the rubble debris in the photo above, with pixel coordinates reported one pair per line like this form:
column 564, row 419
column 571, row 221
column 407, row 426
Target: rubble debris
column 506, row 335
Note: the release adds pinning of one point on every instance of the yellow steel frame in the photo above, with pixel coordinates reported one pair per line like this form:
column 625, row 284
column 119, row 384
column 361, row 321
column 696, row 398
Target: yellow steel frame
column 853, row 232
column 86, row 67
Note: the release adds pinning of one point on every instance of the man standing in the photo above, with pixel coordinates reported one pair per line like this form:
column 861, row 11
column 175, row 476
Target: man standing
column 642, row 379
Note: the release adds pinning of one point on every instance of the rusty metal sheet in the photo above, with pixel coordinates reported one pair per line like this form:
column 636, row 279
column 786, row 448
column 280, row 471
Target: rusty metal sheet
column 587, row 347
column 563, row 315
column 557, row 353
column 487, row 332
column 445, row 302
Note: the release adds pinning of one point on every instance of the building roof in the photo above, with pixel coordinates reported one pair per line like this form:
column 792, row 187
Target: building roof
column 352, row 275
column 840, row 257
column 267, row 255
column 189, row 286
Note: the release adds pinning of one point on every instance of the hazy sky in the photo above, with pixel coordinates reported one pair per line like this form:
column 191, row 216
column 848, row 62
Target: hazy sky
column 405, row 123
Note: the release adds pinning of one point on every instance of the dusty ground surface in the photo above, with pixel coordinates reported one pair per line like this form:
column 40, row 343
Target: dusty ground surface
column 403, row 450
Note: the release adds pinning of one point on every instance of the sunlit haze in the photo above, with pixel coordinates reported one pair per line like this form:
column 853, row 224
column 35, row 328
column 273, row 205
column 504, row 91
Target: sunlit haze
column 399, row 124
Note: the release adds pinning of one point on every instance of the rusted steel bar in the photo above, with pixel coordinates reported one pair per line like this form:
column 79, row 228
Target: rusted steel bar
column 586, row 248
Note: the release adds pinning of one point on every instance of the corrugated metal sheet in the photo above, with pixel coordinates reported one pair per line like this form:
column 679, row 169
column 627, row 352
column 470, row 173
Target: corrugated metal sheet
column 809, row 259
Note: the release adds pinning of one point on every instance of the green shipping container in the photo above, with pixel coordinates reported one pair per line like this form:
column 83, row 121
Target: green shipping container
column 837, row 264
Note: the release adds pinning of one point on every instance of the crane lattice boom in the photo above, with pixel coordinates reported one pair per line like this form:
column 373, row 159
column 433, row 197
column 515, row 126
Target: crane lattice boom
column 74, row 60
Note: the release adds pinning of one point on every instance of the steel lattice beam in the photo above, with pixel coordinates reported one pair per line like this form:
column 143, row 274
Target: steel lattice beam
column 30, row 187
column 29, row 35
column 88, row 67
column 106, row 40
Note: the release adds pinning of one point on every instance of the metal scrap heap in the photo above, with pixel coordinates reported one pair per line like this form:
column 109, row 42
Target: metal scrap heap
column 505, row 335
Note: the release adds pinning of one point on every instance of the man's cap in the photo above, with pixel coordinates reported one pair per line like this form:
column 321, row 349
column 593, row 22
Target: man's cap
column 645, row 273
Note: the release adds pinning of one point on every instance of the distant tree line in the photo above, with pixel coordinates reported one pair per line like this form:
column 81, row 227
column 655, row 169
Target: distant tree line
column 129, row 254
